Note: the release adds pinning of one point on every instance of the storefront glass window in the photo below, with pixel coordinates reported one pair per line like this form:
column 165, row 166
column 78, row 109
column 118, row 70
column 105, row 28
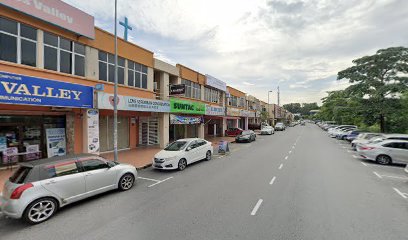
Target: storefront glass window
column 63, row 55
column 107, row 68
column 137, row 75
column 193, row 90
column 18, row 42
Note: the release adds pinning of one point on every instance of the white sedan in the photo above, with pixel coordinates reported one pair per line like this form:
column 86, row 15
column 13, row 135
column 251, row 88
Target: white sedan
column 267, row 130
column 179, row 154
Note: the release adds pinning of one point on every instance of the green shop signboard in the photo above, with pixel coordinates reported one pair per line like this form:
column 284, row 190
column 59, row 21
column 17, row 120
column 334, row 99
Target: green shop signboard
column 183, row 106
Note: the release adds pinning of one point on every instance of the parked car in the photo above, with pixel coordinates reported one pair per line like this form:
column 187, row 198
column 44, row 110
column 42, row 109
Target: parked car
column 385, row 152
column 246, row 136
column 37, row 189
column 363, row 138
column 179, row 154
column 267, row 130
column 383, row 137
column 232, row 132
column 352, row 135
column 280, row 127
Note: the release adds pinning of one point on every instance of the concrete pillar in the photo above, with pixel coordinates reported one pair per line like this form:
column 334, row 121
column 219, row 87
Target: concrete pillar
column 236, row 123
column 185, row 130
column 164, row 86
column 224, row 127
column 91, row 63
column 150, row 76
column 246, row 123
column 202, row 92
column 70, row 132
column 201, row 130
column 40, row 49
column 164, row 128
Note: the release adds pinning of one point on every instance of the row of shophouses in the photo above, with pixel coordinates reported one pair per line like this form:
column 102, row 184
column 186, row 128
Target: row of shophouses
column 56, row 90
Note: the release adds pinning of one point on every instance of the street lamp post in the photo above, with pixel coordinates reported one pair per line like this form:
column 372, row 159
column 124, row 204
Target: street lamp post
column 115, row 91
column 268, row 105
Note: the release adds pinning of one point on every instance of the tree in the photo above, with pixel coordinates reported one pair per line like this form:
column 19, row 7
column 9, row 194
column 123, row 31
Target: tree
column 264, row 116
column 378, row 79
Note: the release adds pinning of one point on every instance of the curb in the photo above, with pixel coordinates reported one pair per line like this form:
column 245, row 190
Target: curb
column 144, row 167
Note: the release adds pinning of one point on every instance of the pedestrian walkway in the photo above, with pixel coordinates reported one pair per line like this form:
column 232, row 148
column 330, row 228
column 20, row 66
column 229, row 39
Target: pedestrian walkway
column 139, row 157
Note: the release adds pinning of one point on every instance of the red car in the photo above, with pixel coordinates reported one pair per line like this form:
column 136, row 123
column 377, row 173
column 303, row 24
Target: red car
column 233, row 132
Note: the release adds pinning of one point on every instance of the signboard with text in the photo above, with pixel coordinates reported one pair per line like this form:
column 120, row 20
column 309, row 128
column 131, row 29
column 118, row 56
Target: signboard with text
column 184, row 106
column 214, row 110
column 21, row 89
column 105, row 101
column 57, row 13
column 216, row 83
column 175, row 119
column 177, row 89
column 93, row 130
column 56, row 144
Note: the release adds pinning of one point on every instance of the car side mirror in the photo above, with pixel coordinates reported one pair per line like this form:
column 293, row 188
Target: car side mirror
column 188, row 148
column 108, row 164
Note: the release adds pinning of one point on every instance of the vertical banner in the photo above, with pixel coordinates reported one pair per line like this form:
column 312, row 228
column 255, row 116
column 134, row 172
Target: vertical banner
column 93, row 130
column 56, row 143
column 3, row 144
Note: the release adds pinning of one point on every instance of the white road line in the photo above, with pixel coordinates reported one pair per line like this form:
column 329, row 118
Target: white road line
column 378, row 175
column 258, row 204
column 286, row 158
column 365, row 164
column 280, row 166
column 160, row 182
column 149, row 179
column 396, row 177
column 349, row 151
column 290, row 151
column 404, row 195
column 355, row 156
column 272, row 181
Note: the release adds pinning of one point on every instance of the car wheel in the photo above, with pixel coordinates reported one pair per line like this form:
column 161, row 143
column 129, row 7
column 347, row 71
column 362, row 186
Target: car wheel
column 126, row 182
column 208, row 156
column 182, row 164
column 40, row 210
column 383, row 160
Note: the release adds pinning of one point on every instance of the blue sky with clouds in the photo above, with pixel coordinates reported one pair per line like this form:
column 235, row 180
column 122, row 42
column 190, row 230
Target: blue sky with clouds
column 257, row 45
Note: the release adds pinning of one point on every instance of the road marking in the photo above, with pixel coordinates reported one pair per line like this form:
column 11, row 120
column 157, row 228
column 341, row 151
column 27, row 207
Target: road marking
column 149, row 179
column 355, row 156
column 286, row 158
column 280, row 166
column 378, row 175
column 349, row 151
column 396, row 177
column 258, row 204
column 160, row 182
column 365, row 164
column 272, row 181
column 404, row 195
column 290, row 151
column 293, row 147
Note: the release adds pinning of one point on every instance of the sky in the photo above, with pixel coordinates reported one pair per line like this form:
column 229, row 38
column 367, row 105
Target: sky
column 258, row 45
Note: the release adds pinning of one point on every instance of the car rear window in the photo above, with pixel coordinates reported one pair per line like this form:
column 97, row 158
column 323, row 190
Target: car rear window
column 20, row 174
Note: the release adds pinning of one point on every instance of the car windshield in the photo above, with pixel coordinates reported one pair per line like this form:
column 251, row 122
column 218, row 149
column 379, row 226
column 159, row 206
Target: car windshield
column 176, row 146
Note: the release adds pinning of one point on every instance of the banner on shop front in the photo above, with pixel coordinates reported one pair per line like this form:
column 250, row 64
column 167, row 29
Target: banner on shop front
column 233, row 112
column 175, row 119
column 105, row 101
column 93, row 130
column 3, row 144
column 214, row 111
column 177, row 89
column 184, row 106
column 246, row 113
column 56, row 144
column 21, row 89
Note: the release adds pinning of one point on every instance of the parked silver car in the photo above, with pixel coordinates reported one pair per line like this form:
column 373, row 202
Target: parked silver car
column 385, row 152
column 37, row 189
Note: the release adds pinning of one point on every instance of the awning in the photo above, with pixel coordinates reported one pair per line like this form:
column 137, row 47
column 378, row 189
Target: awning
column 230, row 117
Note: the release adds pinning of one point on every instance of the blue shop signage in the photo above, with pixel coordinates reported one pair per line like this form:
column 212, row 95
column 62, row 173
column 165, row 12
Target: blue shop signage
column 20, row 89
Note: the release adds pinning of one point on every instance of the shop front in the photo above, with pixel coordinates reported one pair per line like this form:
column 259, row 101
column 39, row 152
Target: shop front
column 138, row 121
column 245, row 115
column 213, row 120
column 233, row 118
column 38, row 116
column 186, row 119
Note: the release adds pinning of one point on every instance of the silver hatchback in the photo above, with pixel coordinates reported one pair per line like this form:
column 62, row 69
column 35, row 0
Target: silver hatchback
column 37, row 189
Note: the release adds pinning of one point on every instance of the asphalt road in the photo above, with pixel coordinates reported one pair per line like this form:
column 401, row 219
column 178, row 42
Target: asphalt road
column 297, row 184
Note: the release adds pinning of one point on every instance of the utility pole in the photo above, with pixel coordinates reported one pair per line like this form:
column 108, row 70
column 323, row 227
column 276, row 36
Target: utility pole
column 115, row 95
column 269, row 107
column 278, row 97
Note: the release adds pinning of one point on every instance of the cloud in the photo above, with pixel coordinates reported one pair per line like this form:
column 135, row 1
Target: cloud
column 297, row 45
